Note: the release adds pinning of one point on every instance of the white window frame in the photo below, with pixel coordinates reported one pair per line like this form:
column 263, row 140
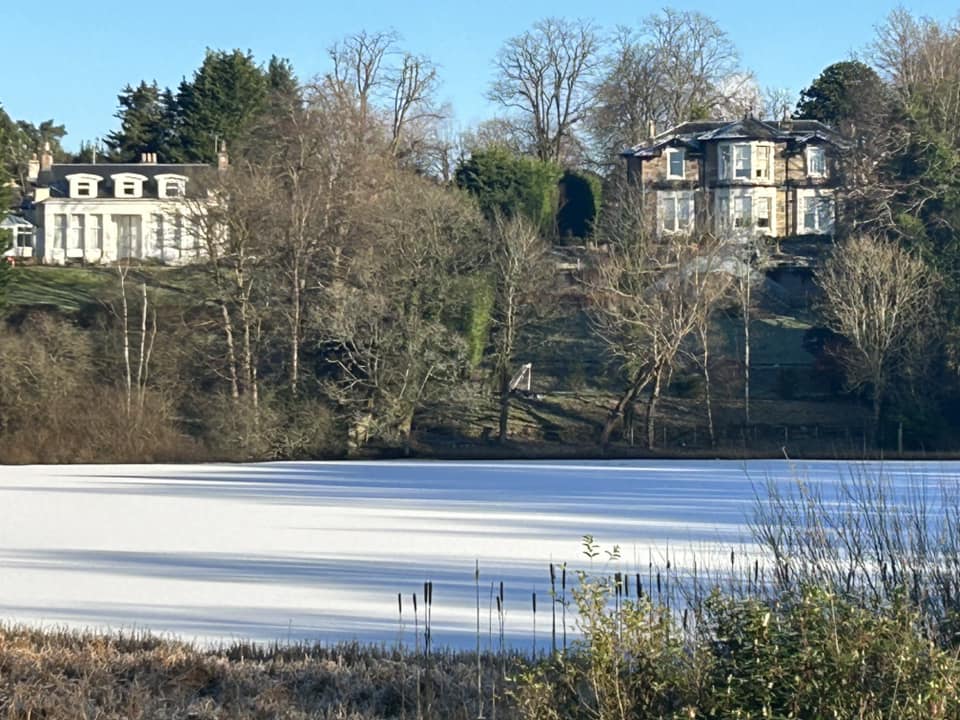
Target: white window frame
column 738, row 149
column 730, row 204
column 822, row 153
column 23, row 237
column 671, row 154
column 60, row 231
column 742, row 210
column 83, row 185
column 763, row 172
column 684, row 211
column 76, row 237
column 825, row 206
column 95, row 231
column 166, row 180
column 128, row 185
column 754, row 172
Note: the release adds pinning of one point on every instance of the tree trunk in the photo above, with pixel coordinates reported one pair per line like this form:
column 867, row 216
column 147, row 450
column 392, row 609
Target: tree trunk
column 746, row 364
column 628, row 397
column 877, row 408
column 141, row 358
column 295, row 332
column 231, row 352
column 504, row 406
column 126, row 339
column 704, row 337
column 652, row 409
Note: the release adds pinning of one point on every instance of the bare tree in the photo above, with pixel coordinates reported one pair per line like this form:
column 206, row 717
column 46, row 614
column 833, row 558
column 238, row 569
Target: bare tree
column 649, row 297
column 878, row 297
column 544, row 77
column 392, row 92
column 383, row 324
column 677, row 66
column 358, row 73
column 414, row 84
column 524, row 278
column 747, row 275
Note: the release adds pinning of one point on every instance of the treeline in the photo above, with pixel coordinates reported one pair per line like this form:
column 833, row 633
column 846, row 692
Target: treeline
column 364, row 264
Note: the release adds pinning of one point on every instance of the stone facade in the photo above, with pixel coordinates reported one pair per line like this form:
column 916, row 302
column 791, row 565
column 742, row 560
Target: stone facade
column 774, row 179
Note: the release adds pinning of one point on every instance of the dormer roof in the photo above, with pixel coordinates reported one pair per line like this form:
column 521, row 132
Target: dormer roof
column 56, row 178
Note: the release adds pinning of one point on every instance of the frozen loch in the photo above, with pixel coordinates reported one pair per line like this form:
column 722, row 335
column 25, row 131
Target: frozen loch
column 319, row 551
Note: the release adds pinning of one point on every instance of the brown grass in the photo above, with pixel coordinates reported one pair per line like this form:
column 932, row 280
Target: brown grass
column 70, row 675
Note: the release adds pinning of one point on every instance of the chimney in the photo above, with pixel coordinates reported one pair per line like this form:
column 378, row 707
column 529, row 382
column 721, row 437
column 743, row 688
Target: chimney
column 223, row 160
column 651, row 129
column 33, row 168
column 46, row 158
column 148, row 158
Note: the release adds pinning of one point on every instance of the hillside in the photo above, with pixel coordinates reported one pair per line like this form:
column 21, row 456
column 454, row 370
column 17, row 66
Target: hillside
column 793, row 404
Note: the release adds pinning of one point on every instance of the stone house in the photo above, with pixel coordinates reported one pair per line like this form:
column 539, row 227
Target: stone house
column 776, row 179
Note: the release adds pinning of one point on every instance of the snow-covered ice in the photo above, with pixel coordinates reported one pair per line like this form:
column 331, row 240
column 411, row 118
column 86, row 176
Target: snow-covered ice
column 319, row 551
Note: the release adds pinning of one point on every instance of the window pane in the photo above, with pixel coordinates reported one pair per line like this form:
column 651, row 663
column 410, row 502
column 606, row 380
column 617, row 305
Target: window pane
column 763, row 212
column 96, row 232
column 742, row 211
column 810, row 214
column 669, row 213
column 763, row 161
column 723, row 212
column 76, row 231
column 825, row 214
column 741, row 158
column 725, row 161
column 676, row 163
column 157, row 222
column 60, row 231
column 683, row 211
column 817, row 161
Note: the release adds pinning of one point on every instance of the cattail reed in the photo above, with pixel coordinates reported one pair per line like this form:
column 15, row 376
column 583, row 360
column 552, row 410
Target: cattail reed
column 553, row 618
column 533, row 597
column 476, row 582
column 563, row 602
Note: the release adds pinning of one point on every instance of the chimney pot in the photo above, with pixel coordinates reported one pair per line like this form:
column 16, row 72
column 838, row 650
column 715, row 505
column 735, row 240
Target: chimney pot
column 223, row 160
column 33, row 168
column 46, row 158
column 651, row 129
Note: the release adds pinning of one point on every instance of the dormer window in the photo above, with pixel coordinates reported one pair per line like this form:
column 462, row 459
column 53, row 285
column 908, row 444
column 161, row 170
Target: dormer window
column 128, row 185
column 816, row 162
column 171, row 186
column 675, row 160
column 83, row 185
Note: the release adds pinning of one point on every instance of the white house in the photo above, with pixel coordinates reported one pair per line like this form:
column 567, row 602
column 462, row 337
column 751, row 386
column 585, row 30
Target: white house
column 103, row 212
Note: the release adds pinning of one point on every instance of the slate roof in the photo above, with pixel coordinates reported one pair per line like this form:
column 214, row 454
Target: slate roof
column 12, row 221
column 694, row 135
column 198, row 176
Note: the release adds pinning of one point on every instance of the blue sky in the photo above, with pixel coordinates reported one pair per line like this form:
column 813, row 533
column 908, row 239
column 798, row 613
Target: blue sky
column 69, row 60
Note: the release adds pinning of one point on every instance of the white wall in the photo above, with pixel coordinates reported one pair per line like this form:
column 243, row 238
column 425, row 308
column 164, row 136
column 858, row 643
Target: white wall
column 145, row 208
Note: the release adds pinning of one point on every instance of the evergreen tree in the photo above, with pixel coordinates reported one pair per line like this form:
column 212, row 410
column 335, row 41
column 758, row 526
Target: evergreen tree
column 838, row 95
column 144, row 115
column 222, row 102
column 512, row 185
column 281, row 82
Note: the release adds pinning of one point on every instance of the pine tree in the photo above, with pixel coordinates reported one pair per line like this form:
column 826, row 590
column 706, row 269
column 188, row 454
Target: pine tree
column 222, row 102
column 144, row 115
